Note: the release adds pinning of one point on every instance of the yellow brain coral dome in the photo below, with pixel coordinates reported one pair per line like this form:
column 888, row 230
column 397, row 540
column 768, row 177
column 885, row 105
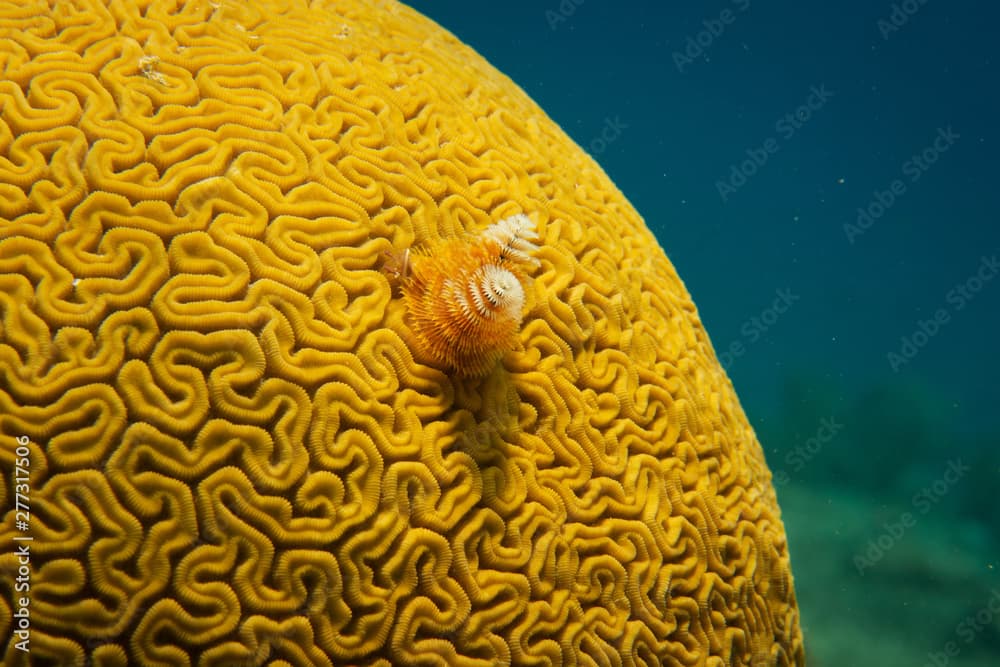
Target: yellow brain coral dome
column 219, row 429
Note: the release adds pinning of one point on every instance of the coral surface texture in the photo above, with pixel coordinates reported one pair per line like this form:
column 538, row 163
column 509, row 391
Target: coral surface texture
column 227, row 442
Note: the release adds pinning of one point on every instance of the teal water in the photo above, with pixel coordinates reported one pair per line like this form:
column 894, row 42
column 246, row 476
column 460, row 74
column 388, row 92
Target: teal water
column 823, row 176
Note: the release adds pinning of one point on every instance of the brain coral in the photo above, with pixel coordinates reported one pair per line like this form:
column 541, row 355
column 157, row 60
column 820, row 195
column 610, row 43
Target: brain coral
column 232, row 452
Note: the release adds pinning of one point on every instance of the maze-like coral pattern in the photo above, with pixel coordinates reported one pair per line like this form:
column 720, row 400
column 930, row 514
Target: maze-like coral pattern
column 235, row 457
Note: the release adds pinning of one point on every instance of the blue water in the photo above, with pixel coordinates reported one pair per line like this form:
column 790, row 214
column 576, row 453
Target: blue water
column 751, row 136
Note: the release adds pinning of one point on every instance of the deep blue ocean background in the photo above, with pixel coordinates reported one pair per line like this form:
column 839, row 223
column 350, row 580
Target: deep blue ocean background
column 824, row 178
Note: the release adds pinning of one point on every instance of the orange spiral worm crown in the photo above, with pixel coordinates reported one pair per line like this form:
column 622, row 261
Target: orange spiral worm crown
column 465, row 297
